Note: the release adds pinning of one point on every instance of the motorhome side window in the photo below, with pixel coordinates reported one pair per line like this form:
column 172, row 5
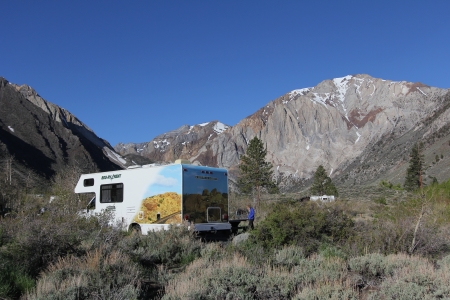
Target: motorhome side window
column 88, row 182
column 111, row 193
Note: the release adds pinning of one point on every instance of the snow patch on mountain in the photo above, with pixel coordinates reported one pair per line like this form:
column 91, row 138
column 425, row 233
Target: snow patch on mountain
column 295, row 93
column 114, row 156
column 161, row 144
column 359, row 135
column 342, row 86
column 320, row 98
column 220, row 127
column 421, row 91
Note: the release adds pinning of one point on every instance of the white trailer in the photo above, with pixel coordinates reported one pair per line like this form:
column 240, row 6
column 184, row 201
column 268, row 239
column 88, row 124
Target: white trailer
column 153, row 197
column 323, row 198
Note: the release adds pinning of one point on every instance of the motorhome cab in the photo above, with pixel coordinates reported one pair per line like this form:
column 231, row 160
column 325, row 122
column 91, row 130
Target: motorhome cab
column 153, row 197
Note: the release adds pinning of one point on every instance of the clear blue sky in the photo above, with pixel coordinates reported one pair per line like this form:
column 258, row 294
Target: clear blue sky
column 132, row 70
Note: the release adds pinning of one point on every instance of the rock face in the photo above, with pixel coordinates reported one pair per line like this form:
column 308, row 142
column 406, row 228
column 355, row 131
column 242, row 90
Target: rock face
column 44, row 138
column 330, row 124
column 184, row 142
column 342, row 124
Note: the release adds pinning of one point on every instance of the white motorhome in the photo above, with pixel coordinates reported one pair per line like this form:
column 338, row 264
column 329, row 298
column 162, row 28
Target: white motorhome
column 153, row 197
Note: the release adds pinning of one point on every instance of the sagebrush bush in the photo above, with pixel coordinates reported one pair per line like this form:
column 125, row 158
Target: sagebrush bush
column 444, row 262
column 371, row 265
column 38, row 240
column 378, row 265
column 255, row 252
column 289, row 256
column 236, row 277
column 410, row 277
column 319, row 269
column 214, row 251
column 97, row 275
column 333, row 290
column 390, row 236
column 174, row 247
column 401, row 290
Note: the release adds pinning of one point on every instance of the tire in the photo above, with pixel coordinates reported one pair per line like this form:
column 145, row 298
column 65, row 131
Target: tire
column 135, row 229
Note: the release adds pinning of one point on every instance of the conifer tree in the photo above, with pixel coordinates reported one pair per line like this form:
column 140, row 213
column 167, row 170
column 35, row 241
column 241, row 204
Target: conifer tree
column 255, row 172
column 322, row 184
column 414, row 173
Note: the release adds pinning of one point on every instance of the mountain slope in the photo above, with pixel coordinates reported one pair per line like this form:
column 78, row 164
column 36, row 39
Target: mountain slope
column 43, row 138
column 183, row 142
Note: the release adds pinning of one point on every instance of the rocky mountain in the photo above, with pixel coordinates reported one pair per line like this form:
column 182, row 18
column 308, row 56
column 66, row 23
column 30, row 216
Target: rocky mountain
column 39, row 138
column 358, row 127
column 184, row 142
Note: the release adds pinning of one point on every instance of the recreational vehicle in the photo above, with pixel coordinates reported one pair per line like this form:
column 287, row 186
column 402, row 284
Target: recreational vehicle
column 152, row 197
column 323, row 198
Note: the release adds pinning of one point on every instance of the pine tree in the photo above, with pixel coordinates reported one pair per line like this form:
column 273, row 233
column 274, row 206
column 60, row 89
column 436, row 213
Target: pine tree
column 255, row 172
column 414, row 173
column 322, row 184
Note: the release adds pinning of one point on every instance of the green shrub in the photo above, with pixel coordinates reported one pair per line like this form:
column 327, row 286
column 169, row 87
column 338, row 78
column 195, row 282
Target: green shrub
column 328, row 251
column 390, row 185
column 304, row 224
column 381, row 200
column 14, row 281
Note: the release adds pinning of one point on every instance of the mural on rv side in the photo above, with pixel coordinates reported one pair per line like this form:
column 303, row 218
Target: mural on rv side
column 161, row 203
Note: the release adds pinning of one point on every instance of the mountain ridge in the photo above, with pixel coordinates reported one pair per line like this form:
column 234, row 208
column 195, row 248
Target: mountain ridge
column 331, row 124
